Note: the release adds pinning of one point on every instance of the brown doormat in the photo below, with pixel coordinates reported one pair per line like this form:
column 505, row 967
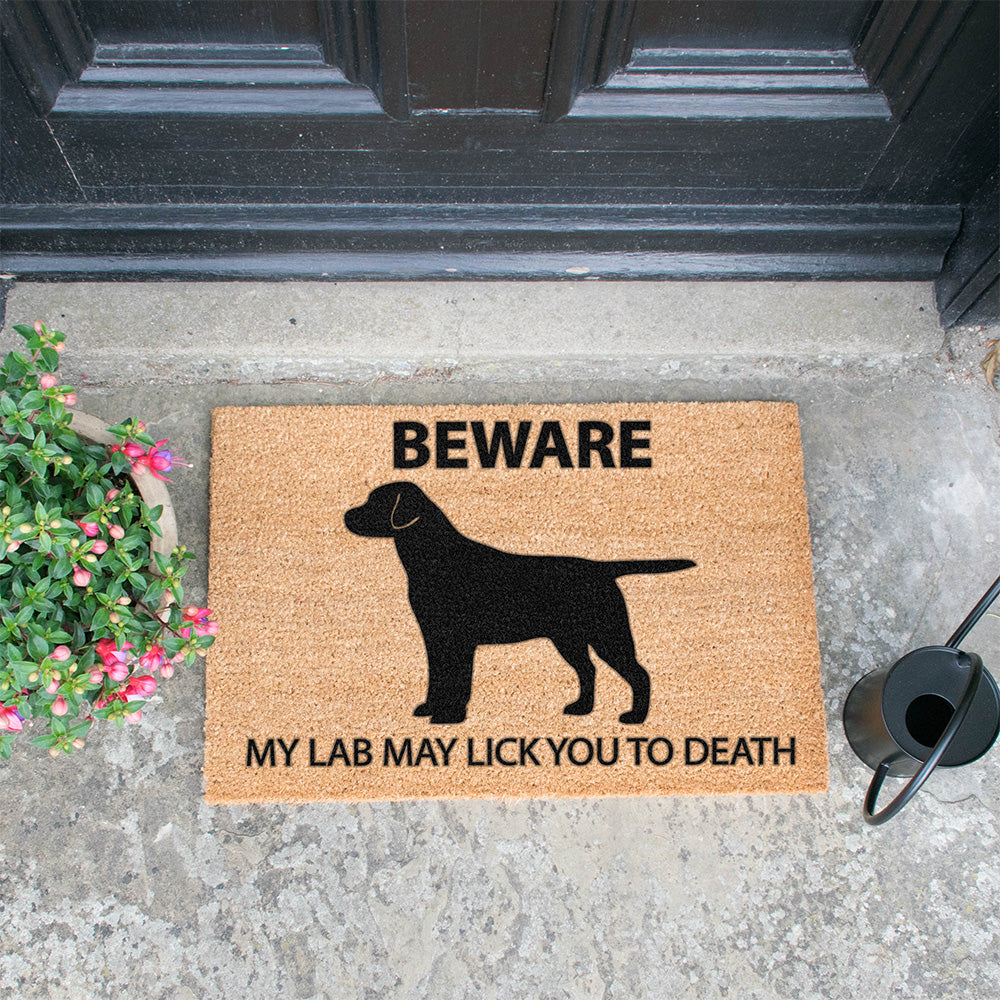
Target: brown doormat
column 511, row 601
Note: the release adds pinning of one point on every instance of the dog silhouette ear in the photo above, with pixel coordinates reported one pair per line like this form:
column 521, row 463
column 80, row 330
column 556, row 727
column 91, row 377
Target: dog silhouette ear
column 392, row 516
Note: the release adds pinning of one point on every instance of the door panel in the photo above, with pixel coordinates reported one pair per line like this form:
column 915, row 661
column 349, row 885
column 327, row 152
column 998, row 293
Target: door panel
column 204, row 116
column 277, row 22
column 750, row 24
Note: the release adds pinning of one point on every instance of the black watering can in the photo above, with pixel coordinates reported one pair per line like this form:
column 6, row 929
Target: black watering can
column 935, row 706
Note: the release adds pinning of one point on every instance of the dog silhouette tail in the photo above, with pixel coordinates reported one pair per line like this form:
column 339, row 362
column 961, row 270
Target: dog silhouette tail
column 626, row 567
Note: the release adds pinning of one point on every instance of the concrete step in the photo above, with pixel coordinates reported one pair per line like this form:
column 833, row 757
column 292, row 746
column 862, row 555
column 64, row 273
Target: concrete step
column 259, row 332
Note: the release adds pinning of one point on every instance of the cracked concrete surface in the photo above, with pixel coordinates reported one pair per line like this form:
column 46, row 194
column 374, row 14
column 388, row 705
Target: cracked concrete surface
column 116, row 880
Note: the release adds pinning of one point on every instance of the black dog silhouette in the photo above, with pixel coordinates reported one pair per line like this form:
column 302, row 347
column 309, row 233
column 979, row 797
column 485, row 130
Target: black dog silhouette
column 466, row 594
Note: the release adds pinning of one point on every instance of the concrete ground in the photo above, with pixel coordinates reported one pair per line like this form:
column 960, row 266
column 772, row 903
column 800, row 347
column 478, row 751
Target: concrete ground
column 116, row 880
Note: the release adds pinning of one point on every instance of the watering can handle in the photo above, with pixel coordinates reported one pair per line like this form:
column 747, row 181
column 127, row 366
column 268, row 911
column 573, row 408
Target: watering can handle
column 873, row 818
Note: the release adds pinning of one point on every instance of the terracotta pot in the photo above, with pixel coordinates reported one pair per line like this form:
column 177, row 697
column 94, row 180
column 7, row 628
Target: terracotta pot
column 152, row 490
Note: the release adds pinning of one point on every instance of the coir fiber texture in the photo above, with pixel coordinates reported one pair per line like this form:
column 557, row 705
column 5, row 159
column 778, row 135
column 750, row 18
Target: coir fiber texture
column 511, row 601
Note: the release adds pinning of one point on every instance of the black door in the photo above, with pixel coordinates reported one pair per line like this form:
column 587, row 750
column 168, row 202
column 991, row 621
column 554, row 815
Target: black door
column 499, row 138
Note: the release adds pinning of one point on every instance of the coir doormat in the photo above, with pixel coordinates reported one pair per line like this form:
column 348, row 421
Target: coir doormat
column 511, row 601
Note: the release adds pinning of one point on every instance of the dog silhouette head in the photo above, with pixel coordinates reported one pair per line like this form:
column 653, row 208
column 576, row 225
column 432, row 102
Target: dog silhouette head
column 389, row 510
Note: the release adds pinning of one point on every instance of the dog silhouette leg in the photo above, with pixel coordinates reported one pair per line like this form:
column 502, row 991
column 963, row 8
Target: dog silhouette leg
column 617, row 648
column 449, row 684
column 576, row 655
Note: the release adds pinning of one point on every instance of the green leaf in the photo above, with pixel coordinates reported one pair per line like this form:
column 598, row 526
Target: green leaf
column 16, row 366
column 62, row 568
column 49, row 360
column 38, row 647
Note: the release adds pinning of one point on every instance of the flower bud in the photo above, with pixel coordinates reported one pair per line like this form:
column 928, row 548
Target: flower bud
column 116, row 531
column 59, row 706
column 33, row 676
column 78, row 743
column 39, row 327
column 60, row 653
column 81, row 576
column 47, row 381
column 53, row 751
column 53, row 686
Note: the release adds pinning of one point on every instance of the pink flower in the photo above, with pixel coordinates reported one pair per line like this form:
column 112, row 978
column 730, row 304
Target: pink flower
column 200, row 624
column 111, row 494
column 60, row 653
column 99, row 547
column 152, row 659
column 47, row 381
column 9, row 718
column 140, row 687
column 157, row 460
column 117, row 671
column 69, row 399
column 89, row 528
column 116, row 531
column 81, row 576
column 53, row 686
column 115, row 660
column 59, row 706
column 167, row 670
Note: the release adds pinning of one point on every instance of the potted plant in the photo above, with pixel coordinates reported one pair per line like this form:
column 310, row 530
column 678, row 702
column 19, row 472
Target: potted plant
column 92, row 614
